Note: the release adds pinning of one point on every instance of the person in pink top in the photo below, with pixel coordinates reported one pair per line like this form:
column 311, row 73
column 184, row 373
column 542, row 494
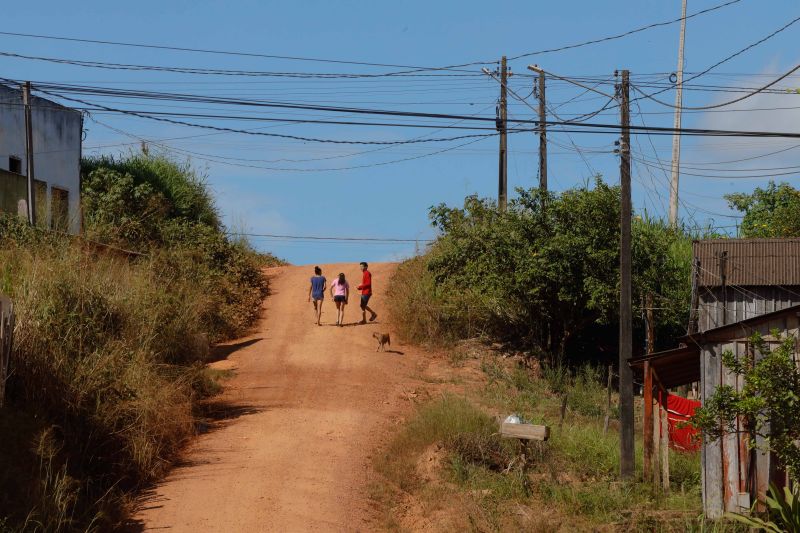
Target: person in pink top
column 340, row 291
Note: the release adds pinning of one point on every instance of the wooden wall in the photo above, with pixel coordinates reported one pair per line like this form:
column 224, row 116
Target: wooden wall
column 734, row 476
column 717, row 308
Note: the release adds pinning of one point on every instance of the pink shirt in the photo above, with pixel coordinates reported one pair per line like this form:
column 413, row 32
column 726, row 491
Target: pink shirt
column 340, row 289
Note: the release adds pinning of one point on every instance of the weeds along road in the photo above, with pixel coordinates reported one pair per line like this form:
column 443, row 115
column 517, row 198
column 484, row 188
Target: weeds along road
column 306, row 409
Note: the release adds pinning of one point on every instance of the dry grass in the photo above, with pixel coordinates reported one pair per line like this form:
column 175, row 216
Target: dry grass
column 108, row 362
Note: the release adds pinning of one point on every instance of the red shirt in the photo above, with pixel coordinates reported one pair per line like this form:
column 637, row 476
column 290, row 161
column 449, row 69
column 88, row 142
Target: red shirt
column 366, row 283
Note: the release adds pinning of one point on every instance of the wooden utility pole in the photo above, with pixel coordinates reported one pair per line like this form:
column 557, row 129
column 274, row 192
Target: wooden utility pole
column 26, row 101
column 502, row 193
column 542, row 135
column 626, row 463
column 676, row 137
column 647, row 424
column 650, row 333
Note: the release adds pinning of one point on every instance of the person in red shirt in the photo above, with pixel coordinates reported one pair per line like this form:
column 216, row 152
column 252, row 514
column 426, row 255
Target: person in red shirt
column 366, row 294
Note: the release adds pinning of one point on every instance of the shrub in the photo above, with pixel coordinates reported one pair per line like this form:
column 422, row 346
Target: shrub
column 543, row 274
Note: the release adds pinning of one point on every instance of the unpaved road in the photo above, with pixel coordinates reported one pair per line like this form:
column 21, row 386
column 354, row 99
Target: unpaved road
column 310, row 406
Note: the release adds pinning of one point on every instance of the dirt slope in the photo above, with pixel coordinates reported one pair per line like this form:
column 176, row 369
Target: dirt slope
column 310, row 406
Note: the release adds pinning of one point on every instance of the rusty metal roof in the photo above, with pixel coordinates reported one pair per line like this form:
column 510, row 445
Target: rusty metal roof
column 749, row 261
column 673, row 368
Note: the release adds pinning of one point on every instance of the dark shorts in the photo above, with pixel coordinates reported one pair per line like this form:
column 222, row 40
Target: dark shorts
column 339, row 298
column 317, row 297
column 365, row 300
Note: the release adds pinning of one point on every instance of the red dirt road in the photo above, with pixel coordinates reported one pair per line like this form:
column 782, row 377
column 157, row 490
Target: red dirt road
column 311, row 403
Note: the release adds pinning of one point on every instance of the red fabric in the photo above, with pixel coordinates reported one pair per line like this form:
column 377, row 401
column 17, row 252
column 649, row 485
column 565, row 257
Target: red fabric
column 366, row 283
column 679, row 409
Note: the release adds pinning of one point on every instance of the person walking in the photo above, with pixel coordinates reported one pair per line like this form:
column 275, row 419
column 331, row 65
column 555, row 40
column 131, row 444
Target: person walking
column 366, row 294
column 340, row 290
column 316, row 292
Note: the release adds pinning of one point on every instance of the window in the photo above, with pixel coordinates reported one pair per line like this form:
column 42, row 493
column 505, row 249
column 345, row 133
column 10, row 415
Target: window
column 14, row 164
column 59, row 211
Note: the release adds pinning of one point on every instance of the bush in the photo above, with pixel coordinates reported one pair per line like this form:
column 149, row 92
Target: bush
column 542, row 275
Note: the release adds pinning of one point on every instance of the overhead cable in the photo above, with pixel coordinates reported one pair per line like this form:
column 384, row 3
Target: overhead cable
column 718, row 63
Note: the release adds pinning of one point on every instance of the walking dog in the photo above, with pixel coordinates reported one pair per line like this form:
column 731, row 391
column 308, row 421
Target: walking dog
column 383, row 339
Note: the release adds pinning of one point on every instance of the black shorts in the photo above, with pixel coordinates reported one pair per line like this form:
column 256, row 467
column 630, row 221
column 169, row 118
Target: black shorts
column 339, row 298
column 365, row 300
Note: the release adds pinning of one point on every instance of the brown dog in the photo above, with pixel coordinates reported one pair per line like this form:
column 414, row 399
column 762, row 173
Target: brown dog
column 383, row 339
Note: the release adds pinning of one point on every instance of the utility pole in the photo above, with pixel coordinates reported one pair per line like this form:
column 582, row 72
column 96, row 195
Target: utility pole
column 502, row 125
column 26, row 101
column 626, row 463
column 676, row 137
column 542, row 135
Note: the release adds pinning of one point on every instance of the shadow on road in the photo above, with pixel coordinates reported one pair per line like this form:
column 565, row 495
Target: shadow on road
column 223, row 351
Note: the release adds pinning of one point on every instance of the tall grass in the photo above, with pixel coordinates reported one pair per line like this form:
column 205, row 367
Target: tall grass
column 107, row 368
column 424, row 312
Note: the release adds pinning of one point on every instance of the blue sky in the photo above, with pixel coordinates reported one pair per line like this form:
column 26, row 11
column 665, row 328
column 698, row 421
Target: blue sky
column 392, row 199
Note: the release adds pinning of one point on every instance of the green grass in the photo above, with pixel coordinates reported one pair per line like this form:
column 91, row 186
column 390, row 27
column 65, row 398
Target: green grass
column 574, row 476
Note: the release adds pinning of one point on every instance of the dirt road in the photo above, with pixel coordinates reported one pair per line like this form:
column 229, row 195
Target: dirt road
column 310, row 406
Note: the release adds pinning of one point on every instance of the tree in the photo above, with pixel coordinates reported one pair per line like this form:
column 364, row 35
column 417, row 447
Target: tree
column 770, row 212
column 546, row 271
column 769, row 401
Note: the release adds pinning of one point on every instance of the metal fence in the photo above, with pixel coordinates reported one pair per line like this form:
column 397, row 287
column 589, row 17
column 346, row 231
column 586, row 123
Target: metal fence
column 6, row 341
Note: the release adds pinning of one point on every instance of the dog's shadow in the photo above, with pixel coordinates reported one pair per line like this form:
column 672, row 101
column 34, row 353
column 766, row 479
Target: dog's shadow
column 398, row 352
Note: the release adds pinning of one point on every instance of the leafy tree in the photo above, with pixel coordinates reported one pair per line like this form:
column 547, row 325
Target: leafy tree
column 769, row 401
column 770, row 212
column 546, row 271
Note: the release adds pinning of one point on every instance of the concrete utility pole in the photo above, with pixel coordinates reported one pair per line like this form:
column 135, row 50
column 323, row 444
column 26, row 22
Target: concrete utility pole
column 676, row 137
column 626, row 463
column 26, row 101
column 542, row 135
column 502, row 193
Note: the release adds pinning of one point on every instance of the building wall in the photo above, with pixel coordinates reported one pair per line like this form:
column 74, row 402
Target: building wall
column 734, row 476
column 57, row 133
column 717, row 308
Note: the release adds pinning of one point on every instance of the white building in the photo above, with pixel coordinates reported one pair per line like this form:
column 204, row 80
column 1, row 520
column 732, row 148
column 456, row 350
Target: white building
column 57, row 136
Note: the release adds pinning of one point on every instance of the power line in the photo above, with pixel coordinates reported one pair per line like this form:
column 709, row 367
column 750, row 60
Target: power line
column 219, row 52
column 624, row 34
column 751, row 176
column 718, row 63
column 582, row 127
column 246, row 163
column 225, row 72
column 412, row 68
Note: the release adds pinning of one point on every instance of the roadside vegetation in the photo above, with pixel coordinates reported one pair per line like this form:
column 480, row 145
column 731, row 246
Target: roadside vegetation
column 540, row 280
column 542, row 276
column 108, row 369
column 449, row 464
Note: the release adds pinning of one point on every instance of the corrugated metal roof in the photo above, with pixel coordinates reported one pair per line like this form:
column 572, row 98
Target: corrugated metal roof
column 676, row 367
column 749, row 261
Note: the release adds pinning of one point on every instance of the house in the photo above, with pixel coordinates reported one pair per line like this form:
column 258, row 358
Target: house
column 740, row 287
column 57, row 137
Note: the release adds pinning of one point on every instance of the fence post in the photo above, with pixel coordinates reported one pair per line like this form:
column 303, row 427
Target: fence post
column 6, row 341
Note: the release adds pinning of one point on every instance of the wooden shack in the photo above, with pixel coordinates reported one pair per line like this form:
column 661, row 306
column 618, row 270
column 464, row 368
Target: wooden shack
column 737, row 279
column 740, row 287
